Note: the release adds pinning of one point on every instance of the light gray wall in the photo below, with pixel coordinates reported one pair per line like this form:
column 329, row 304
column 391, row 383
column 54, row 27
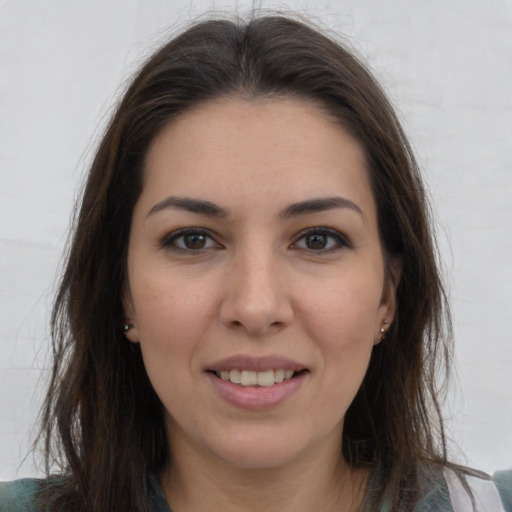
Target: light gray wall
column 447, row 65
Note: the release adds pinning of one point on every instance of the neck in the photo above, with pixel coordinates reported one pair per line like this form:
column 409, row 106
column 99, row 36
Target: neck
column 315, row 482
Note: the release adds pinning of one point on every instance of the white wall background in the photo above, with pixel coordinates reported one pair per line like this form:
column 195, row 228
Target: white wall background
column 447, row 65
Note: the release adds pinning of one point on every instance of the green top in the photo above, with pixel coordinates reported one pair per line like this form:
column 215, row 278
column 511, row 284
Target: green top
column 21, row 495
column 503, row 481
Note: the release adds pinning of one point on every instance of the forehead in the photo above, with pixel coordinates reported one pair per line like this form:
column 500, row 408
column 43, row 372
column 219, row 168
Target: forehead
column 271, row 146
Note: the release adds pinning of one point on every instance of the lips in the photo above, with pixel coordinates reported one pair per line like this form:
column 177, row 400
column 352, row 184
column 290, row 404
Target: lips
column 256, row 382
column 252, row 371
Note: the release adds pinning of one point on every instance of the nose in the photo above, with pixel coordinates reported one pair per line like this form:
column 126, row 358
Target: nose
column 256, row 298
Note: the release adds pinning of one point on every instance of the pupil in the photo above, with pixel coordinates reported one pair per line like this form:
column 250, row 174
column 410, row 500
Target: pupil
column 195, row 241
column 316, row 241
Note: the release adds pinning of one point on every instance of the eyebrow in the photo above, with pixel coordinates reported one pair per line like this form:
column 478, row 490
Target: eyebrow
column 210, row 209
column 319, row 205
column 191, row 205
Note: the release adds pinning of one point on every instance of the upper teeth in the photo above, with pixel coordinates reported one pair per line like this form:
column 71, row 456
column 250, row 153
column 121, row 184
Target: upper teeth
column 250, row 378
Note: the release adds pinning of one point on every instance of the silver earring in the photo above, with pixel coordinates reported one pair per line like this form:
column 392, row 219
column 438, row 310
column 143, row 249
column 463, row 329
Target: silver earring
column 127, row 327
column 382, row 330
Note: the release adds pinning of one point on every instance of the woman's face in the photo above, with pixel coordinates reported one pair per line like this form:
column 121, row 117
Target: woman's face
column 254, row 255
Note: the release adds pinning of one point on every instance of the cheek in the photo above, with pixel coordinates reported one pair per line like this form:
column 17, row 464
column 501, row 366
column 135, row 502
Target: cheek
column 341, row 320
column 343, row 312
column 169, row 308
column 171, row 319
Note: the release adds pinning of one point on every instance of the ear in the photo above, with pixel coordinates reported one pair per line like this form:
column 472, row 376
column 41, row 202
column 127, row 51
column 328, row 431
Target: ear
column 130, row 326
column 388, row 304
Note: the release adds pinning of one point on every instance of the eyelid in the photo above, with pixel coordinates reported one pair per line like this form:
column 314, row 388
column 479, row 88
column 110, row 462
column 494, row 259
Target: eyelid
column 168, row 241
column 342, row 240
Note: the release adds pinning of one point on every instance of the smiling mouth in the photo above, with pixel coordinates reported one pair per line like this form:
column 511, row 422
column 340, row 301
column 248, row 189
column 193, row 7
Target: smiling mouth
column 262, row 379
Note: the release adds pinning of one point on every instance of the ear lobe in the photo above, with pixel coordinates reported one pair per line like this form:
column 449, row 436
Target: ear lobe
column 129, row 327
column 131, row 333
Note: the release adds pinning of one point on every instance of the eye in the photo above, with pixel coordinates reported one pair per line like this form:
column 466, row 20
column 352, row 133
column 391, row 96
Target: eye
column 189, row 241
column 321, row 239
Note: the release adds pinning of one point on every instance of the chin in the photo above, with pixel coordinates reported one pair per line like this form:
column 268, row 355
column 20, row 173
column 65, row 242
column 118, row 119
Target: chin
column 254, row 450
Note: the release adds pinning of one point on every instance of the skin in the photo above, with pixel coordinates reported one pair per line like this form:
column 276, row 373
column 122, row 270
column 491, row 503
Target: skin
column 253, row 283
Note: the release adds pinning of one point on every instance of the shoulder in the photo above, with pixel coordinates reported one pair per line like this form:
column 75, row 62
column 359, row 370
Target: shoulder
column 20, row 495
column 33, row 494
column 435, row 491
column 503, row 481
column 446, row 490
column 489, row 494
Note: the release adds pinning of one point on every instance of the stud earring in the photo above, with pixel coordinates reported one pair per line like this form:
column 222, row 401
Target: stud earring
column 382, row 330
column 127, row 327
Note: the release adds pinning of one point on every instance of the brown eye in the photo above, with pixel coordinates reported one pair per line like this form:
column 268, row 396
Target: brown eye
column 189, row 241
column 316, row 241
column 194, row 241
column 321, row 240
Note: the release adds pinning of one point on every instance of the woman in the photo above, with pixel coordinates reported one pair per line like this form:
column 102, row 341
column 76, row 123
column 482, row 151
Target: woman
column 251, row 314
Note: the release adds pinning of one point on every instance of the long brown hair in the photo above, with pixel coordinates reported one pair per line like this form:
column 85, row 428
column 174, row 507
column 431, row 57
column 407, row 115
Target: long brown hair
column 102, row 422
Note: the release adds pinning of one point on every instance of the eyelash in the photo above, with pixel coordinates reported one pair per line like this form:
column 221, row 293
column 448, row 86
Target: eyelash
column 170, row 241
column 340, row 240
